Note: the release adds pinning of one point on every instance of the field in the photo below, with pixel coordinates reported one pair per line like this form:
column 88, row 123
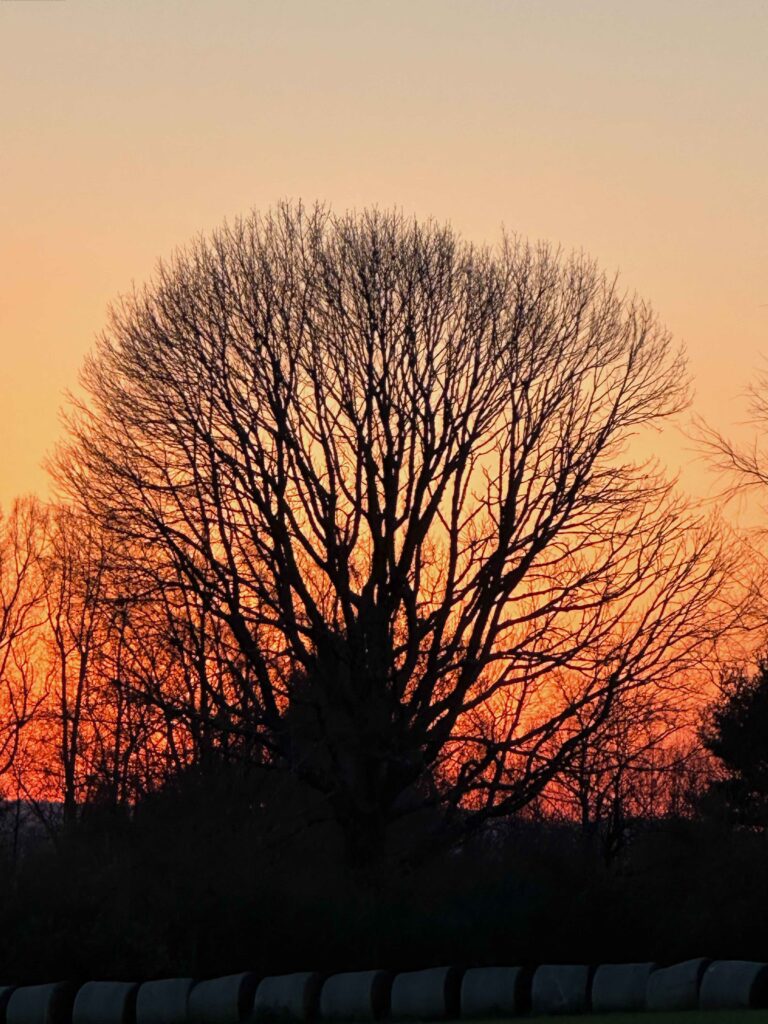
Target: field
column 683, row 1017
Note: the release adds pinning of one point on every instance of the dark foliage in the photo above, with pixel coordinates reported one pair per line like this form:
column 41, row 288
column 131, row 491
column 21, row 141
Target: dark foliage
column 736, row 733
column 199, row 882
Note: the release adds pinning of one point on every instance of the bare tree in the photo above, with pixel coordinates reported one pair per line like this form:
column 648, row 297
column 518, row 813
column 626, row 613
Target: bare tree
column 73, row 567
column 743, row 465
column 392, row 465
column 627, row 771
column 21, row 594
column 101, row 739
column 182, row 660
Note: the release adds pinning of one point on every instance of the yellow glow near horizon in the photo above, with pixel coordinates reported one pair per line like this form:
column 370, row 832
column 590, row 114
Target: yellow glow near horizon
column 636, row 132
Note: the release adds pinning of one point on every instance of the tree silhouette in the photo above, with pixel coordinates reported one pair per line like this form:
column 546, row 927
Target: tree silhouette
column 736, row 733
column 391, row 465
column 21, row 597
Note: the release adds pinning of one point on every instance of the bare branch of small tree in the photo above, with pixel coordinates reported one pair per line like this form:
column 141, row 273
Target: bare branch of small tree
column 21, row 595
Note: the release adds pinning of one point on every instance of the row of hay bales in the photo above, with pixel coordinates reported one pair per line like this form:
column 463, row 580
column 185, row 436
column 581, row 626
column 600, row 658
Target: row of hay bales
column 440, row 993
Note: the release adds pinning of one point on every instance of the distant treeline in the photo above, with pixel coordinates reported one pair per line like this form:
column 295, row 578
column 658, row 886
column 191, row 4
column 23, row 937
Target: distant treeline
column 206, row 879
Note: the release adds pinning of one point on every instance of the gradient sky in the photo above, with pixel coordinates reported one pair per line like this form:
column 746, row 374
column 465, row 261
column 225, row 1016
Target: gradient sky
column 636, row 131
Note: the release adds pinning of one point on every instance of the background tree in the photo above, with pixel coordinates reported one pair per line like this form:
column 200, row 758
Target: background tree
column 743, row 464
column 21, row 595
column 735, row 732
column 74, row 570
column 391, row 465
column 635, row 769
column 735, row 727
column 181, row 660
column 95, row 738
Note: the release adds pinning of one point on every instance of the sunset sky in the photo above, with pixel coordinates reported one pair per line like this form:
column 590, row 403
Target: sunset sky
column 635, row 131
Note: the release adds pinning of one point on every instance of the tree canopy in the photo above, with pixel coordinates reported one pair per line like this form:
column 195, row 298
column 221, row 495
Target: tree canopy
column 391, row 467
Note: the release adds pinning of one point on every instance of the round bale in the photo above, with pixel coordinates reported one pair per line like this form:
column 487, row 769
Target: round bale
column 6, row 991
column 734, row 985
column 561, row 988
column 164, row 1001
column 222, row 1000
column 356, row 995
column 494, row 992
column 675, row 987
column 288, row 997
column 433, row 994
column 617, row 987
column 41, row 1004
column 105, row 1002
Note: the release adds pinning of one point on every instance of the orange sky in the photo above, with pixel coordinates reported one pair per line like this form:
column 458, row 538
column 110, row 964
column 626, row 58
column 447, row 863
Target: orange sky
column 634, row 131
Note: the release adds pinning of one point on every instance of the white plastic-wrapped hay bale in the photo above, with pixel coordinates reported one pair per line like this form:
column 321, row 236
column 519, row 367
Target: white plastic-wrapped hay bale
column 617, row 987
column 105, row 1002
column 6, row 991
column 676, row 987
column 561, row 988
column 734, row 985
column 289, row 997
column 41, row 1004
column 433, row 994
column 222, row 1000
column 356, row 995
column 494, row 992
column 163, row 1001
